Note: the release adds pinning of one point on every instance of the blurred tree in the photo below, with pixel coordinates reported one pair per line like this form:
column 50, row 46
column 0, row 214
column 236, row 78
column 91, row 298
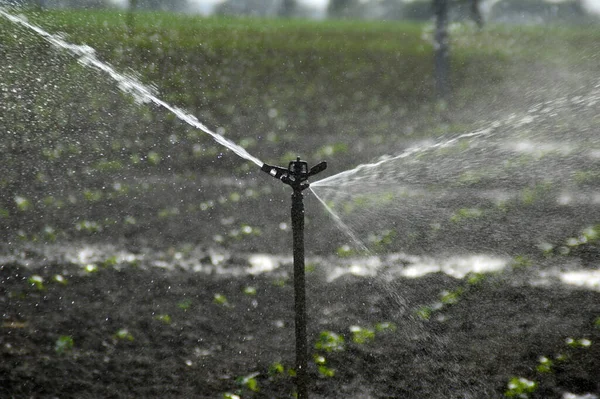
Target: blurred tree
column 476, row 13
column 74, row 3
column 442, row 51
column 260, row 8
column 287, row 8
column 130, row 19
column 344, row 8
column 163, row 5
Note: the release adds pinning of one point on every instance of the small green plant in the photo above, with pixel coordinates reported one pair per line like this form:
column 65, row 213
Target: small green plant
column 521, row 262
column 92, row 195
column 49, row 234
column 597, row 322
column 424, row 312
column 124, row 335
column 519, row 387
column 451, row 297
column 591, row 234
column 164, row 318
column 59, row 278
column 385, row 326
column 466, row 214
column 578, row 343
column 108, row 166
column 109, row 262
column 249, row 382
column 153, row 158
column 64, row 344
column 383, row 240
column 345, row 251
column 37, row 281
column 276, row 368
column 221, row 299
column 184, row 304
column 90, row 268
column 229, row 395
column 321, row 363
column 88, row 226
column 361, row 335
column 23, row 204
column 475, row 278
column 249, row 290
column 539, row 192
column 544, row 365
column 329, row 341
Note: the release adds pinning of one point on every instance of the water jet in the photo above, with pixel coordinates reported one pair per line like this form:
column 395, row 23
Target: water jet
column 296, row 176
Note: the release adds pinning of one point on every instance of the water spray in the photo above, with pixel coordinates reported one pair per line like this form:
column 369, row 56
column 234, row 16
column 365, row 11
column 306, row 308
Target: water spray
column 296, row 176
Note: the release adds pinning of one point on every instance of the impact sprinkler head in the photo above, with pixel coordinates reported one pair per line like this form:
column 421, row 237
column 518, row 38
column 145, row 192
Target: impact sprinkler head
column 296, row 174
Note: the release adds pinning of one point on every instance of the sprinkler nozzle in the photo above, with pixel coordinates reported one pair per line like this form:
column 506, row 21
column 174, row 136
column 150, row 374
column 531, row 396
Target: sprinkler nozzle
column 296, row 174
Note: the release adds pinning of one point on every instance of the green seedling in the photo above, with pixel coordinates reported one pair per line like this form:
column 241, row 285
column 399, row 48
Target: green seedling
column 276, row 368
column 153, row 158
column 578, row 343
column 597, row 322
column 185, row 304
column 23, row 204
column 250, row 290
column 49, row 234
column 544, row 365
column 385, row 326
column 321, row 363
column 58, row 278
column 546, row 248
column 164, row 318
column 37, row 281
column 109, row 262
column 475, row 278
column 124, row 335
column 329, row 341
column 108, row 166
column 519, row 387
column 521, row 262
column 249, row 382
column 424, row 312
column 92, row 195
column 90, row 268
column 64, row 344
column 451, row 297
column 466, row 214
column 591, row 234
column 88, row 226
column 229, row 395
column 221, row 299
column 345, row 251
column 362, row 335
column 326, row 371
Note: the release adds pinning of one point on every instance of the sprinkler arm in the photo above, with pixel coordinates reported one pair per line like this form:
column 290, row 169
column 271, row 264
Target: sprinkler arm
column 296, row 174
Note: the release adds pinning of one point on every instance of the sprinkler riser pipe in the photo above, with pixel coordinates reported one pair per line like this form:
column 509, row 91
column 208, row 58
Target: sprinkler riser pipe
column 296, row 176
column 299, row 294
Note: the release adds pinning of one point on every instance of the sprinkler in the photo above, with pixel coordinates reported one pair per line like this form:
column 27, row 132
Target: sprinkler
column 296, row 175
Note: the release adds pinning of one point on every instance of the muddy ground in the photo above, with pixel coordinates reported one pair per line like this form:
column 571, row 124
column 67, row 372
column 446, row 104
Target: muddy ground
column 138, row 330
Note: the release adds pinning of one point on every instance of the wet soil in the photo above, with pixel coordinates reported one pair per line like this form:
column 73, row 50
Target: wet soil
column 144, row 331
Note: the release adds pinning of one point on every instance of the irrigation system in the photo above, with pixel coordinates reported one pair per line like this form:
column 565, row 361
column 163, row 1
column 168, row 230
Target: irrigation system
column 296, row 176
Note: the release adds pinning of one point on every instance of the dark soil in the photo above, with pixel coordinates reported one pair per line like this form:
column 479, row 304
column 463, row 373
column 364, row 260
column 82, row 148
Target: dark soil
column 498, row 329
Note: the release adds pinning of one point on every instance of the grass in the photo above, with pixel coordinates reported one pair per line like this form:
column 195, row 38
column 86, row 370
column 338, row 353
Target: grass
column 324, row 89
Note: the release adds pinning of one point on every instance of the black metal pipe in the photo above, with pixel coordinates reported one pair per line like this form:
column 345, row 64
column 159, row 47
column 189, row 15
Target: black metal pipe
column 296, row 175
column 299, row 294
